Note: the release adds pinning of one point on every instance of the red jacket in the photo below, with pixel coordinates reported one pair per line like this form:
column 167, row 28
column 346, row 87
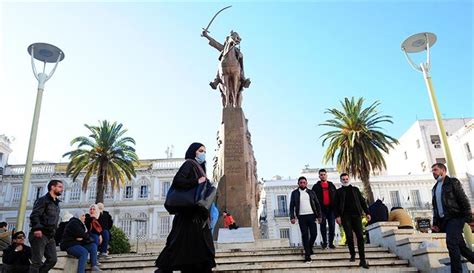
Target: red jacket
column 228, row 220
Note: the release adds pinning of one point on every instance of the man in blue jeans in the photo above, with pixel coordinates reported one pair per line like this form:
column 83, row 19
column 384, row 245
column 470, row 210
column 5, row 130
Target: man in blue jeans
column 106, row 222
column 326, row 191
column 304, row 205
column 451, row 209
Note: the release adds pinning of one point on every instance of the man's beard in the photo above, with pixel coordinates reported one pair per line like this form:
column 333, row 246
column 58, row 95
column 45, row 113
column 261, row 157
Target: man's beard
column 302, row 188
column 58, row 193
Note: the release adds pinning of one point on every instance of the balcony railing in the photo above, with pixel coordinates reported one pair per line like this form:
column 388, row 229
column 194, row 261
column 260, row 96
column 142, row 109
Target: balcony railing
column 281, row 213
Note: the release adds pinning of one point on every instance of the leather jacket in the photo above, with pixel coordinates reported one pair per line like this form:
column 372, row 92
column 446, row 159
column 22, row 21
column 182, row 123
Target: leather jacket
column 455, row 201
column 318, row 189
column 45, row 215
column 295, row 203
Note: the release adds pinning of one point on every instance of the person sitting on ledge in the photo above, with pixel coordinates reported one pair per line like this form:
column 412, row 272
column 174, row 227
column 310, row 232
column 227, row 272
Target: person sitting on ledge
column 16, row 257
column 399, row 214
column 229, row 221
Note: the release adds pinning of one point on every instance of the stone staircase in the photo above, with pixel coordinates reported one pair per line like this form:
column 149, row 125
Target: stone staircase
column 264, row 260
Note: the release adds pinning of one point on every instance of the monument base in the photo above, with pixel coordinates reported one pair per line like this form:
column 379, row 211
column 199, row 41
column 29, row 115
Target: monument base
column 235, row 169
column 231, row 236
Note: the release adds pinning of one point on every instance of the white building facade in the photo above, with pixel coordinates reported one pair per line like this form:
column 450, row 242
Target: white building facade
column 137, row 207
column 420, row 147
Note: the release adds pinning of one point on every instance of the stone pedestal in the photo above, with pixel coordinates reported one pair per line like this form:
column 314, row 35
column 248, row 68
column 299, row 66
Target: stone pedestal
column 235, row 170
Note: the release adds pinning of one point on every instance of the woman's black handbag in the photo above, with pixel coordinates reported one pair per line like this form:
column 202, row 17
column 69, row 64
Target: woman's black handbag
column 181, row 200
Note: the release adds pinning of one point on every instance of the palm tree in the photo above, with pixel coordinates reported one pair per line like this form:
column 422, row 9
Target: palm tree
column 104, row 153
column 357, row 140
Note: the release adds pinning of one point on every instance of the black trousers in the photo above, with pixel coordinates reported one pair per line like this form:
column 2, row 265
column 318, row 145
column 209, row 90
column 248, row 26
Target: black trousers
column 328, row 217
column 455, row 243
column 309, row 232
column 7, row 268
column 353, row 223
column 40, row 247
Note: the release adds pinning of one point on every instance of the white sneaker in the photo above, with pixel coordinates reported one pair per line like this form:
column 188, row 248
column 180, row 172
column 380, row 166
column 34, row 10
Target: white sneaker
column 96, row 269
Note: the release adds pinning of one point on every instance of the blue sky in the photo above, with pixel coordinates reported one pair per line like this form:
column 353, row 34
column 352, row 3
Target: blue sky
column 146, row 66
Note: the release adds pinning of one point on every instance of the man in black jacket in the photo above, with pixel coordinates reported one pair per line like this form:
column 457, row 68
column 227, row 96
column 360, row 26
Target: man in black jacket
column 16, row 257
column 43, row 223
column 350, row 204
column 451, row 209
column 326, row 191
column 304, row 205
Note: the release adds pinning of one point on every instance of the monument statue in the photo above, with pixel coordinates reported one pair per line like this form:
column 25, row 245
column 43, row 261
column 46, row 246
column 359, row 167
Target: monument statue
column 235, row 166
column 230, row 77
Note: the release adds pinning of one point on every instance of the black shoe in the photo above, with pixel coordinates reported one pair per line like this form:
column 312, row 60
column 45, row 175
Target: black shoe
column 332, row 246
column 364, row 264
column 324, row 245
column 307, row 260
column 352, row 259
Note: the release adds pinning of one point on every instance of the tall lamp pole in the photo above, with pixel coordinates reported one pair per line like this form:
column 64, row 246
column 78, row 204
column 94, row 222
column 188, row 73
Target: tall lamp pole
column 417, row 43
column 45, row 53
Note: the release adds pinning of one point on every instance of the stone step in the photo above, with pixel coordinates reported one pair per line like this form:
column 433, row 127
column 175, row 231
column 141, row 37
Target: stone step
column 259, row 258
column 315, row 265
column 298, row 258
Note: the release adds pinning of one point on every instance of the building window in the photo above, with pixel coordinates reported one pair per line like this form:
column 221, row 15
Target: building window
column 75, row 193
column 38, row 193
column 284, row 233
column 395, row 198
column 405, row 155
column 467, row 150
column 143, row 191
column 128, row 192
column 164, row 225
column 108, row 194
column 142, row 225
column 16, row 195
column 418, row 144
column 415, row 198
column 126, row 224
column 165, row 186
column 441, row 160
column 92, row 191
column 436, row 141
column 11, row 225
column 282, row 207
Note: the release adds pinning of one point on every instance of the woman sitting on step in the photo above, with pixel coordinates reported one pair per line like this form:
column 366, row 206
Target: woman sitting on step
column 77, row 242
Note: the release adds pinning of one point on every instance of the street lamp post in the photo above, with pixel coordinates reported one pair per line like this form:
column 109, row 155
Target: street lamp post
column 417, row 43
column 45, row 53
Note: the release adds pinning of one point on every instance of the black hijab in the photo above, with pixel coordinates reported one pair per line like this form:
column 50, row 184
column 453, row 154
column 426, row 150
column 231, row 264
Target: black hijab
column 191, row 153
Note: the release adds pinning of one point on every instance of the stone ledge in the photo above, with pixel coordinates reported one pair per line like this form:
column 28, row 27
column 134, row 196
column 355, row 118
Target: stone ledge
column 430, row 250
column 420, row 238
column 382, row 224
column 394, row 232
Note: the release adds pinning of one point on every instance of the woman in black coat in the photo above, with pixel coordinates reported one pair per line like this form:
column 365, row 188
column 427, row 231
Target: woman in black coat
column 77, row 242
column 189, row 246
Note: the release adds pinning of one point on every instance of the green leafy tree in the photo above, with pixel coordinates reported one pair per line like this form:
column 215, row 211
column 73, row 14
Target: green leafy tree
column 119, row 243
column 105, row 153
column 357, row 141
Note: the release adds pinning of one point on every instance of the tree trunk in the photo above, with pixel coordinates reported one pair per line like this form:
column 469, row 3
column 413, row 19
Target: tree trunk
column 367, row 189
column 99, row 198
